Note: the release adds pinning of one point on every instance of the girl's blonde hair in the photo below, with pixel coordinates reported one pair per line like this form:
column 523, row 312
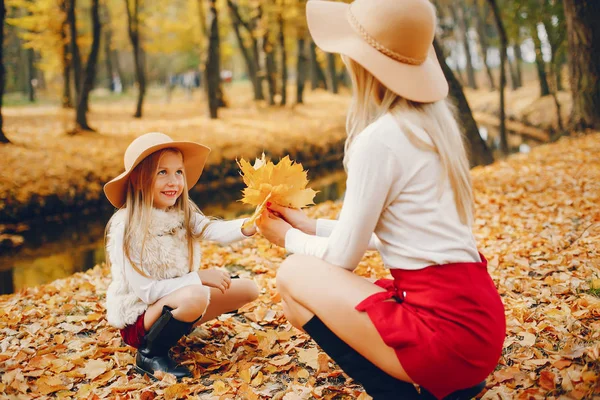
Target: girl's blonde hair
column 139, row 202
column 371, row 100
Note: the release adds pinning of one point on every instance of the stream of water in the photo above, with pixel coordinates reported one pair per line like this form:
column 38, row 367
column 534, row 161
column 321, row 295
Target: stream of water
column 59, row 248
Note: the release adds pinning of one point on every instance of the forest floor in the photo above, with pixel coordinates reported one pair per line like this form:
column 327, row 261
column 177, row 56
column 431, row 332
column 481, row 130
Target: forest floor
column 537, row 221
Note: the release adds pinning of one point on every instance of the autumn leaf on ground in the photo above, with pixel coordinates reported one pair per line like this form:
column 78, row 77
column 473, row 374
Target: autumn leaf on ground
column 283, row 184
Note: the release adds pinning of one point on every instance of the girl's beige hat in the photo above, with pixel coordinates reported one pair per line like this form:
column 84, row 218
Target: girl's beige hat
column 392, row 39
column 194, row 158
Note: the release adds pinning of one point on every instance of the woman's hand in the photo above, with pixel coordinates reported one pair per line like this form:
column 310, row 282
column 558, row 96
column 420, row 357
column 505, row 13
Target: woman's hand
column 295, row 217
column 215, row 278
column 273, row 228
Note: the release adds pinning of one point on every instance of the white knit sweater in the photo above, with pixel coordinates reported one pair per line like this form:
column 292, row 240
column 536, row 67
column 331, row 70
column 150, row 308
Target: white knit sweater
column 393, row 191
column 165, row 261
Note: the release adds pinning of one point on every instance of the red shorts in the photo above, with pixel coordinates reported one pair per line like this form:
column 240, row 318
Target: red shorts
column 134, row 333
column 447, row 324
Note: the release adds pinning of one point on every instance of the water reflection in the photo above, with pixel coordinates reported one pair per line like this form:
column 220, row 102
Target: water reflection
column 57, row 249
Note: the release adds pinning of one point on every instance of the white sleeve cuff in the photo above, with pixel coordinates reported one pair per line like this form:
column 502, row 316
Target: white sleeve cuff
column 298, row 242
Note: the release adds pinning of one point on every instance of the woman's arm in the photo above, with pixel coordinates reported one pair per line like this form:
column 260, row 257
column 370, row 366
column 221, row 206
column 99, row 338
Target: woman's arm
column 372, row 169
column 324, row 228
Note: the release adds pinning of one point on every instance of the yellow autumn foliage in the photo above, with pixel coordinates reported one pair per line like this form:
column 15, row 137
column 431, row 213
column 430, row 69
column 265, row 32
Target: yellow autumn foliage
column 283, row 183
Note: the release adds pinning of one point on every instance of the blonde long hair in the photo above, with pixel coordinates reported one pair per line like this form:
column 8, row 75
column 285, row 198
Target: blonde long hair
column 139, row 203
column 371, row 100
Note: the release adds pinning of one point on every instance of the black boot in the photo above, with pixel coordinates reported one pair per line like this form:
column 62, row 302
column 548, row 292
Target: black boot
column 463, row 394
column 153, row 354
column 376, row 383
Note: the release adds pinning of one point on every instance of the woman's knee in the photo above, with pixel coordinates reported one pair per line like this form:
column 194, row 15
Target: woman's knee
column 288, row 273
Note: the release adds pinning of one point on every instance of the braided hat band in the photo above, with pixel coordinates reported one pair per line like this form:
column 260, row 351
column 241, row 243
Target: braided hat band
column 378, row 46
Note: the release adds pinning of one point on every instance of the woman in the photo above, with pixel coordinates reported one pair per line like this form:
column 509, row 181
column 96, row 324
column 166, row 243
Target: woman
column 440, row 322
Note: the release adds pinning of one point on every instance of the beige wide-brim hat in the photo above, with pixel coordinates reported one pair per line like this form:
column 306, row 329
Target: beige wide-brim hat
column 194, row 158
column 392, row 39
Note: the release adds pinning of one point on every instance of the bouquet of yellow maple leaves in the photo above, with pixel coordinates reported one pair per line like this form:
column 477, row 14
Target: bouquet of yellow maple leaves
column 283, row 184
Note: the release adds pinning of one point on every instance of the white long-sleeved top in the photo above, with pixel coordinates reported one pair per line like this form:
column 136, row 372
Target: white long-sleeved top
column 165, row 261
column 393, row 192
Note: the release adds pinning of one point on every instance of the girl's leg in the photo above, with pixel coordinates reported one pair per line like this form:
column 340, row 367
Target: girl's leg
column 187, row 305
column 309, row 286
column 190, row 302
column 241, row 291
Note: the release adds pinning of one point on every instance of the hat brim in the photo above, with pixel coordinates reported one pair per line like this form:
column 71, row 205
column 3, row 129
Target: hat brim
column 194, row 159
column 332, row 32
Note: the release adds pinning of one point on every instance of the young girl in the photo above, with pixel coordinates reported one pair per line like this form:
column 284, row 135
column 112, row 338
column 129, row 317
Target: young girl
column 440, row 322
column 158, row 293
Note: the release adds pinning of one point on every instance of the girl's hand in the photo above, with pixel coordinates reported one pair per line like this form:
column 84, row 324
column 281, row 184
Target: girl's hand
column 273, row 228
column 215, row 278
column 295, row 217
column 249, row 231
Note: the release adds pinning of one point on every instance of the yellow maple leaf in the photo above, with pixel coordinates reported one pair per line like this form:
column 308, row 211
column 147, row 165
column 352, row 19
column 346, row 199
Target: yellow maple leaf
column 283, row 183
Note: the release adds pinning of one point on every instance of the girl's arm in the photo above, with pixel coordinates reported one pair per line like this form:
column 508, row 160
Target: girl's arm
column 224, row 232
column 372, row 169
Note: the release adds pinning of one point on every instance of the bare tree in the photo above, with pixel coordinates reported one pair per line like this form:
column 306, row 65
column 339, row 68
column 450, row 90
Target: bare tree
column 251, row 63
column 583, row 33
column 3, row 138
column 481, row 34
column 283, row 60
column 66, row 101
column 90, row 70
column 133, row 28
column 75, row 57
column 213, row 64
column 479, row 152
column 503, row 45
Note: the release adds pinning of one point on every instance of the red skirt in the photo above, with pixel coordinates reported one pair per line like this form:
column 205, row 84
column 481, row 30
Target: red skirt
column 134, row 333
column 447, row 324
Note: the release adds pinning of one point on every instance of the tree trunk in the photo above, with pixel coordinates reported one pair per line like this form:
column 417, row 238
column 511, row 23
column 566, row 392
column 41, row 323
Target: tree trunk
column 332, row 73
column 133, row 25
column 464, row 27
column 479, row 153
column 583, row 33
column 539, row 63
column 283, row 61
column 484, row 44
column 316, row 72
column 301, row 69
column 108, row 59
column 31, row 75
column 75, row 57
column 518, row 60
column 236, row 22
column 512, row 71
column 3, row 138
column 213, row 67
column 503, row 45
column 270, row 67
column 67, row 101
column 90, row 70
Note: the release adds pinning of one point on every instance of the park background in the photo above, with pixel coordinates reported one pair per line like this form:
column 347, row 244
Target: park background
column 82, row 78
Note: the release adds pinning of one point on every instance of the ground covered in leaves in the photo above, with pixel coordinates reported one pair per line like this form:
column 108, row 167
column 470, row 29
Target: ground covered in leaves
column 537, row 221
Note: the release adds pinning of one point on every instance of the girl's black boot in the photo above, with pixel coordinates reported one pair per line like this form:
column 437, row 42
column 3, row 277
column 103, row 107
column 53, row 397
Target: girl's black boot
column 376, row 383
column 153, row 354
